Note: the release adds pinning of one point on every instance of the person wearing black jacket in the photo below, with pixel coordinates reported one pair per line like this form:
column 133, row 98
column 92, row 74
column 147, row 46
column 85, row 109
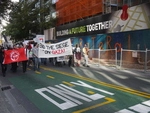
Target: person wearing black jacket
column 3, row 66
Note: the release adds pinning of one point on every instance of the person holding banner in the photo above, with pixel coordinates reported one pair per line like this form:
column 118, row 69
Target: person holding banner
column 37, row 61
column 14, row 65
column 24, row 63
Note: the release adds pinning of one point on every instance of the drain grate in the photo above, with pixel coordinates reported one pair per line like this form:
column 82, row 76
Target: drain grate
column 5, row 88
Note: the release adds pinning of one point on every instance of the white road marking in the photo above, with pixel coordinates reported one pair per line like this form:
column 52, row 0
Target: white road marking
column 147, row 103
column 143, row 79
column 124, row 111
column 109, row 78
column 140, row 108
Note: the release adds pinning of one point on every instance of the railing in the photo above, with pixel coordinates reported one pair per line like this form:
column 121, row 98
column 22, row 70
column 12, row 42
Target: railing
column 107, row 57
column 133, row 59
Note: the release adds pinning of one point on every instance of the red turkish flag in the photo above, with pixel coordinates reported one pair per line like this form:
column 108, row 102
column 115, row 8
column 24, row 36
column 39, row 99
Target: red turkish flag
column 14, row 55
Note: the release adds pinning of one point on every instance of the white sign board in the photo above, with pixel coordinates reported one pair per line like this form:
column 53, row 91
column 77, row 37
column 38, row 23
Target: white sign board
column 134, row 54
column 39, row 38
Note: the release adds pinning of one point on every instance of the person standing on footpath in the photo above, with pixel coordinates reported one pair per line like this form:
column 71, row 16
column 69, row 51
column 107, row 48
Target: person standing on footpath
column 3, row 66
column 85, row 55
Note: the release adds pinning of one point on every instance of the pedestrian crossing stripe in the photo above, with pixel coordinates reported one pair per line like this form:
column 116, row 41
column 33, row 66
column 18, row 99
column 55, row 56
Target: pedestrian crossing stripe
column 140, row 108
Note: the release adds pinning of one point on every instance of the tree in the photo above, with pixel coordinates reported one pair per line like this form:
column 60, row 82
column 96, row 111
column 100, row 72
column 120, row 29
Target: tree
column 26, row 17
column 23, row 18
column 5, row 5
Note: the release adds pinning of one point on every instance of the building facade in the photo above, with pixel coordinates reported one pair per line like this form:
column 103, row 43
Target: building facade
column 125, row 16
column 122, row 24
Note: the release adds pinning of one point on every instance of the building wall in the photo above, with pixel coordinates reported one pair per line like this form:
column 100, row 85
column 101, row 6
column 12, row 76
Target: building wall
column 71, row 10
column 126, row 40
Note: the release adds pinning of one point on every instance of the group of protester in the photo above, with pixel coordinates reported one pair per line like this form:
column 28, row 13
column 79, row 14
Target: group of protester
column 31, row 53
column 31, row 56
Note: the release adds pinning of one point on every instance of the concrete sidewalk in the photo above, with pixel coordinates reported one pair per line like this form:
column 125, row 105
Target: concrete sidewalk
column 3, row 102
column 8, row 103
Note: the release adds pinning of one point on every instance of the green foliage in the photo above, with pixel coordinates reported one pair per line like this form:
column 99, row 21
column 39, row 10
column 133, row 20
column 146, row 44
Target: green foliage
column 25, row 17
column 5, row 5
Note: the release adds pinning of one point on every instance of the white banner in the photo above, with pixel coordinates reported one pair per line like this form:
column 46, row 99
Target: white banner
column 55, row 50
column 39, row 38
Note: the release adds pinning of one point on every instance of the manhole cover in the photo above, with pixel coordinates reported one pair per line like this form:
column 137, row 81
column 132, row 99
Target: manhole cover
column 5, row 88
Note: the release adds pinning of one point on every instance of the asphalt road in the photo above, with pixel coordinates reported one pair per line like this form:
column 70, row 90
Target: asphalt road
column 96, row 89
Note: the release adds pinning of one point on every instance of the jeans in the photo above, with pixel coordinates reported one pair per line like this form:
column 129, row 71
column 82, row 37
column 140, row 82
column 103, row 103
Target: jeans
column 37, row 62
column 44, row 60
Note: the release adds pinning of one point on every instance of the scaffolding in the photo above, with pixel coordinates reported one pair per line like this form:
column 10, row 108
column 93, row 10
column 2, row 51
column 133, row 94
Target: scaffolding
column 72, row 10
column 114, row 5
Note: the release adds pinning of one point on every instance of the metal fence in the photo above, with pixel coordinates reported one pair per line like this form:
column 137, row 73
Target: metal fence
column 148, row 60
column 135, row 59
column 107, row 57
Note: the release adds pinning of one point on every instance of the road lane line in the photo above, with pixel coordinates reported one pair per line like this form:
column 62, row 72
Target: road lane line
column 67, row 83
column 109, row 100
column 37, row 72
column 50, row 77
column 109, row 78
column 91, row 92
column 129, row 90
column 143, row 79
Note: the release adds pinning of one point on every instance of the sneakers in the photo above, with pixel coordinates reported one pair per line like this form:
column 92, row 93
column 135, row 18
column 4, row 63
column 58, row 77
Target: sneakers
column 86, row 65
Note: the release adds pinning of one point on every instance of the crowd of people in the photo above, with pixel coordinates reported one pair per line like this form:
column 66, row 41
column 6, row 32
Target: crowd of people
column 30, row 52
column 33, row 59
